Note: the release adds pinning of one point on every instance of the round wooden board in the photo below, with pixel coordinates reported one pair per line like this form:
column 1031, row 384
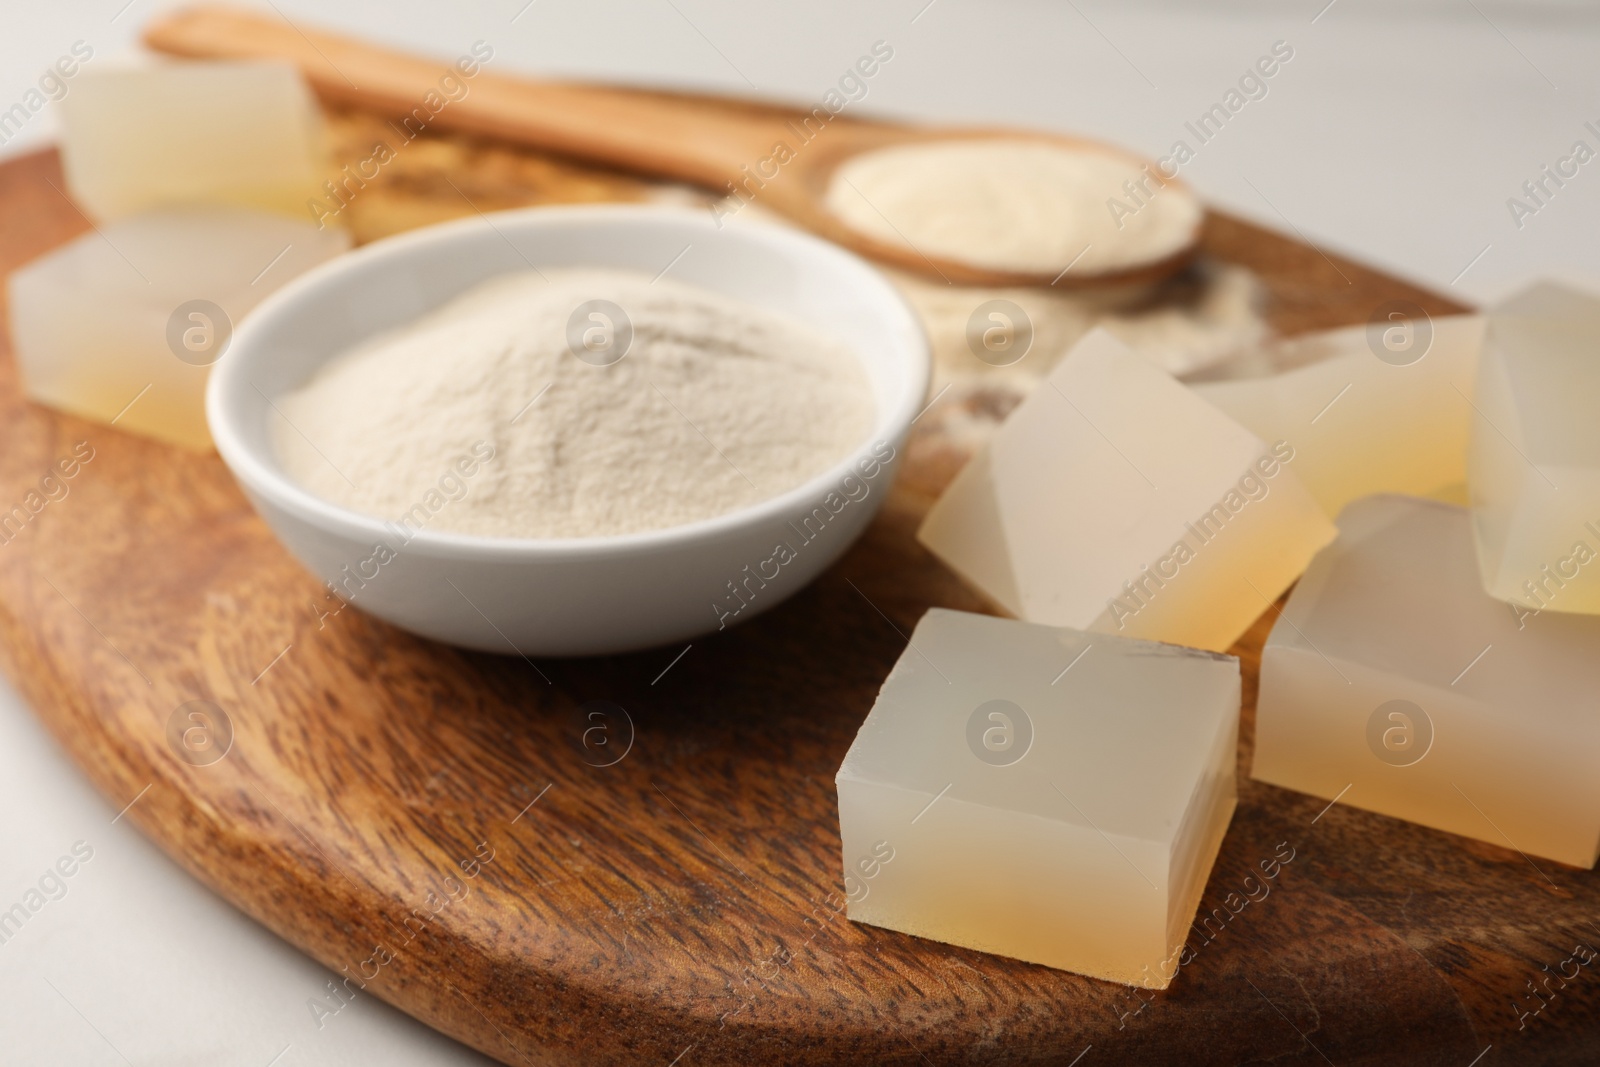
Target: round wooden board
column 431, row 820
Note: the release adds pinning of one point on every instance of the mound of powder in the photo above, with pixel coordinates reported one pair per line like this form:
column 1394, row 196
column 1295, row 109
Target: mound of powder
column 1013, row 205
column 716, row 405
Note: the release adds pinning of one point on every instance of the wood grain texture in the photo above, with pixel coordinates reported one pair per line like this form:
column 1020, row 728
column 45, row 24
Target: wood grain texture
column 684, row 901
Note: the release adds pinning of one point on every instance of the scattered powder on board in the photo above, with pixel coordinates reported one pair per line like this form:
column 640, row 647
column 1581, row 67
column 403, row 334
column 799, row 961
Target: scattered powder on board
column 1011, row 205
column 716, row 405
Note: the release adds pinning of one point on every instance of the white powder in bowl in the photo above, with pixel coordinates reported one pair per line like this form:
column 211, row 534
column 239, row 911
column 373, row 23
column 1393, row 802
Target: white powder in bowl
column 1014, row 205
column 716, row 405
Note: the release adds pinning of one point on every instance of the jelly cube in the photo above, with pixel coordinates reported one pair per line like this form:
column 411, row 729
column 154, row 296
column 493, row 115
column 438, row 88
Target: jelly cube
column 1045, row 794
column 1114, row 499
column 1535, row 457
column 122, row 324
column 1394, row 683
column 1365, row 416
column 243, row 133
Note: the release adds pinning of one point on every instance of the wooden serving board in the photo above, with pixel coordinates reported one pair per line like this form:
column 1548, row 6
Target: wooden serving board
column 682, row 905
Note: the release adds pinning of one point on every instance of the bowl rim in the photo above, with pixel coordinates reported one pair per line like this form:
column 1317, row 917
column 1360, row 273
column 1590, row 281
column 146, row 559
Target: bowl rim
column 261, row 478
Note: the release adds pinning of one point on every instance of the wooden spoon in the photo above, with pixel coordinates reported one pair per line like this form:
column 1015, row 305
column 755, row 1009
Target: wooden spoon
column 725, row 146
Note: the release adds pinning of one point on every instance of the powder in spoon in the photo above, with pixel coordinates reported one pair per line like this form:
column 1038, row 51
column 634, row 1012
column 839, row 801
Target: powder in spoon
column 715, row 405
column 1014, row 205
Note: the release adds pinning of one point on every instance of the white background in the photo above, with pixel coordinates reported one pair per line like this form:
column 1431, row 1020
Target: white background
column 1396, row 134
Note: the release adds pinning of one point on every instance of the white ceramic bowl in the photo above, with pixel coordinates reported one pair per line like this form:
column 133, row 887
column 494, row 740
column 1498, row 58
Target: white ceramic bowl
column 582, row 596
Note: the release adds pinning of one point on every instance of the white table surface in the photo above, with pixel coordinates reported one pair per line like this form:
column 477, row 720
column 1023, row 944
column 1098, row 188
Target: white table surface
column 1397, row 133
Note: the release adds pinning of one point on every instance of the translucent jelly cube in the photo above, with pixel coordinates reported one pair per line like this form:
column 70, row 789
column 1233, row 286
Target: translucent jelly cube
column 1535, row 459
column 1366, row 416
column 245, row 133
column 1394, row 683
column 122, row 324
column 1041, row 793
column 1115, row 499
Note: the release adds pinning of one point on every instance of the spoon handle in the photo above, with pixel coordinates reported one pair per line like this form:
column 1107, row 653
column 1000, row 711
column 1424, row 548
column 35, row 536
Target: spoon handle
column 697, row 141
